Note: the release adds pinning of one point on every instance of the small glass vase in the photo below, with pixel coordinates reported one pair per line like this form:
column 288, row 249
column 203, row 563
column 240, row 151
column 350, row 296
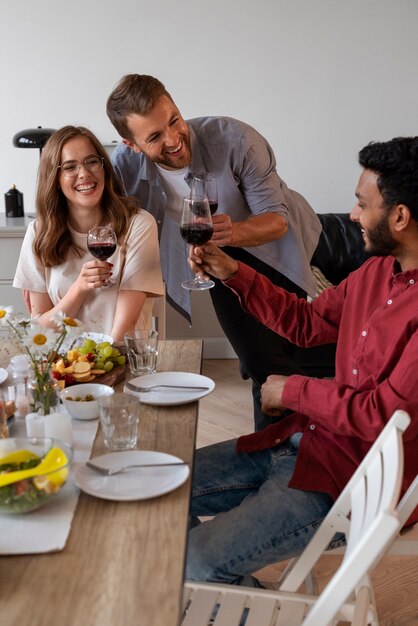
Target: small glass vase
column 43, row 392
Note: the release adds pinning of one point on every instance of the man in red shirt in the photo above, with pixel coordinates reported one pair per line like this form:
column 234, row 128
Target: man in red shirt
column 269, row 490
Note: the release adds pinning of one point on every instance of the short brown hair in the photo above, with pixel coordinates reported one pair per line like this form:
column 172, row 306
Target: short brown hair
column 134, row 94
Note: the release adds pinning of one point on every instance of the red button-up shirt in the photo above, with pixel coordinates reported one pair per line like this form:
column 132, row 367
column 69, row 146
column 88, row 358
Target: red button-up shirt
column 373, row 317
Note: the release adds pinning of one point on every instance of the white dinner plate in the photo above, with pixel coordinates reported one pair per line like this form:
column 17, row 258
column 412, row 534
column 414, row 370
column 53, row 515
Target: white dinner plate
column 171, row 396
column 3, row 375
column 136, row 483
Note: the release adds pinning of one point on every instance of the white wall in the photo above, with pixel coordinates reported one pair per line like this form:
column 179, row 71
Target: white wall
column 319, row 78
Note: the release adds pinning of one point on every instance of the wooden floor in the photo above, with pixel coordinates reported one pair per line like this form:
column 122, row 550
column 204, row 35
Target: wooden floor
column 226, row 413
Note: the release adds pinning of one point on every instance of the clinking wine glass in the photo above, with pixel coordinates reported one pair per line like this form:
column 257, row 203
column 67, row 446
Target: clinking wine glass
column 196, row 228
column 101, row 242
column 204, row 184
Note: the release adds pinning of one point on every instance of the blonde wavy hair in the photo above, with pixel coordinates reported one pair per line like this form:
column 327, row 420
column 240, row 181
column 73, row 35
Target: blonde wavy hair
column 53, row 239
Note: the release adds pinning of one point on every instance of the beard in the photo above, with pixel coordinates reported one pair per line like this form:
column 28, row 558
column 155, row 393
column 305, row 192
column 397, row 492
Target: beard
column 176, row 163
column 380, row 241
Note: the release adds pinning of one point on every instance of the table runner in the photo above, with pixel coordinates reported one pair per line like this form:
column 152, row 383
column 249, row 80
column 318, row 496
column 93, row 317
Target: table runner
column 47, row 529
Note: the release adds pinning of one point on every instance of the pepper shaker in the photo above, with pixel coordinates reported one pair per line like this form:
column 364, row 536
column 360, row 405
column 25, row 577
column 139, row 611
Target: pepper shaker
column 14, row 202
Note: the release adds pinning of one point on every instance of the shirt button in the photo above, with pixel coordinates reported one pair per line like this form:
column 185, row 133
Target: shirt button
column 312, row 426
column 411, row 282
column 278, row 440
column 354, row 371
column 389, row 301
column 364, row 333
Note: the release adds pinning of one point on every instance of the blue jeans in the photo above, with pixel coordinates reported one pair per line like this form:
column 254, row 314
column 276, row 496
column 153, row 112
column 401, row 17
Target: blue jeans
column 258, row 519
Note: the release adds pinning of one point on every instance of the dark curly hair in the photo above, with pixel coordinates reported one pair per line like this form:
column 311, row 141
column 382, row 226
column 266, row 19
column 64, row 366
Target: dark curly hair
column 396, row 164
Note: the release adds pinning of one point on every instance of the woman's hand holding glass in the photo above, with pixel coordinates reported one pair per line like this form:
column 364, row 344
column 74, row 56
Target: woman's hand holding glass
column 102, row 242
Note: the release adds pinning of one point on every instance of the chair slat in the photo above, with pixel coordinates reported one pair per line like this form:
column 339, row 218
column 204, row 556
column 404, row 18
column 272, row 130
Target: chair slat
column 201, row 609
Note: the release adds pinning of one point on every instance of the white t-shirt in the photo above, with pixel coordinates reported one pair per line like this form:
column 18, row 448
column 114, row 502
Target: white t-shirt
column 175, row 188
column 141, row 272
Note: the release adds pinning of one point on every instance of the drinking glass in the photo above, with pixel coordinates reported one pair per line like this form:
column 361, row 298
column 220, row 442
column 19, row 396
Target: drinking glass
column 196, row 228
column 119, row 416
column 205, row 185
column 101, row 242
column 142, row 350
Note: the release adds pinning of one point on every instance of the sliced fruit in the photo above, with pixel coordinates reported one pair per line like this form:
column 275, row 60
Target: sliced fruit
column 72, row 355
column 60, row 366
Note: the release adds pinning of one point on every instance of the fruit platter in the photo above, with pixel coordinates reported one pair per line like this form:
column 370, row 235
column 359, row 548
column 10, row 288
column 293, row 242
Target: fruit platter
column 87, row 362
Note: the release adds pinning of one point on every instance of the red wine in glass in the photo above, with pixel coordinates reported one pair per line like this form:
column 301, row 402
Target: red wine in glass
column 196, row 228
column 102, row 251
column 213, row 206
column 196, row 234
column 101, row 243
column 205, row 185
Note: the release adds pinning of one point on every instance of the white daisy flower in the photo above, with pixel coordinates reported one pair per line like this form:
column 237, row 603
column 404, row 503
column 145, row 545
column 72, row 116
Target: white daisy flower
column 70, row 324
column 40, row 340
column 6, row 313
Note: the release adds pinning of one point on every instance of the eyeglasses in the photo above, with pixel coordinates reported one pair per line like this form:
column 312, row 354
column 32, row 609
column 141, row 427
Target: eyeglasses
column 93, row 164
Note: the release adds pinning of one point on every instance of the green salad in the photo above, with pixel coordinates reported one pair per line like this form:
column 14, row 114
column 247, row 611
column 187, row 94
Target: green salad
column 24, row 495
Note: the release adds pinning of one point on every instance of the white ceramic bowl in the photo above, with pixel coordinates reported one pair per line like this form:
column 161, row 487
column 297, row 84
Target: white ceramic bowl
column 81, row 409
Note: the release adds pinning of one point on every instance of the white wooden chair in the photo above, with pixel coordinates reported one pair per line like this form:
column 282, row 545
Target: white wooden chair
column 366, row 512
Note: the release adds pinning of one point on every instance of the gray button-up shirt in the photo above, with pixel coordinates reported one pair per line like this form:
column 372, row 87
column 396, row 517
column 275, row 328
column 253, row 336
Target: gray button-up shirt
column 248, row 184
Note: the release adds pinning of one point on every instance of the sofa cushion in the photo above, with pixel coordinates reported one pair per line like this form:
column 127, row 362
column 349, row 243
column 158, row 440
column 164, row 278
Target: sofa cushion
column 341, row 247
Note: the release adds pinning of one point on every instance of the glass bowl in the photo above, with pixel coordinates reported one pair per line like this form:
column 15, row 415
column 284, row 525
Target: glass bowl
column 30, row 493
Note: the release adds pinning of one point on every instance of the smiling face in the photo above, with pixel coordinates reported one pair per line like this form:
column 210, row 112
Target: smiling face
column 85, row 190
column 374, row 216
column 162, row 135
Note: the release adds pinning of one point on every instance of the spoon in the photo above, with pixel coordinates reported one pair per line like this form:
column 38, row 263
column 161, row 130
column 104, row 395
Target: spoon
column 53, row 460
column 18, row 456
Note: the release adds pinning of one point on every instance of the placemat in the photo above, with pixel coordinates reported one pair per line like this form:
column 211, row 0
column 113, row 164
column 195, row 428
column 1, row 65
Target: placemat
column 47, row 529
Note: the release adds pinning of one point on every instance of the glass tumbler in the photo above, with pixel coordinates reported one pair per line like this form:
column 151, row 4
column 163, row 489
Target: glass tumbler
column 119, row 417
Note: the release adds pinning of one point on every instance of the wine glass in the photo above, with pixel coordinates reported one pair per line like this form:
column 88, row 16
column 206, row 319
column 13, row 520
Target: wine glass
column 205, row 185
column 101, row 242
column 196, row 228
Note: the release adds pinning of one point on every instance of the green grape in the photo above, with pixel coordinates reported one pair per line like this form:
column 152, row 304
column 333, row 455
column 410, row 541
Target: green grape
column 83, row 350
column 99, row 365
column 89, row 345
column 107, row 351
column 103, row 344
column 115, row 352
column 121, row 360
column 108, row 366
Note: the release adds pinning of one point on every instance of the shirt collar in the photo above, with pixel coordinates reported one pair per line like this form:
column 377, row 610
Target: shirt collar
column 409, row 276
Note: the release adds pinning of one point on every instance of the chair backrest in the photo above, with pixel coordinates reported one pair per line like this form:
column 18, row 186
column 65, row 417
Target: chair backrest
column 366, row 512
column 159, row 316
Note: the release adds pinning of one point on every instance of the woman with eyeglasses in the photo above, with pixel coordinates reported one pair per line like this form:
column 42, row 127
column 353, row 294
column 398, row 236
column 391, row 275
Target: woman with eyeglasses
column 78, row 190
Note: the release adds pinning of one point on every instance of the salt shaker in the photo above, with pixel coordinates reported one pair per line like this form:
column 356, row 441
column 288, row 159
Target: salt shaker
column 20, row 374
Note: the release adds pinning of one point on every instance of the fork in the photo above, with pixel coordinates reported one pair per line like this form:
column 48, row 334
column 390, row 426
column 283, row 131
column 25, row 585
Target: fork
column 111, row 471
column 144, row 389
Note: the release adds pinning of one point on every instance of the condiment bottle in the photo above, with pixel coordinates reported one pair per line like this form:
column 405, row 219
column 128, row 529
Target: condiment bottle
column 4, row 429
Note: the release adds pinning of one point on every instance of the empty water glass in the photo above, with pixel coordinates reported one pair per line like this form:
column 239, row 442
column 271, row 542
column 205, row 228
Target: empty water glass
column 142, row 350
column 119, row 417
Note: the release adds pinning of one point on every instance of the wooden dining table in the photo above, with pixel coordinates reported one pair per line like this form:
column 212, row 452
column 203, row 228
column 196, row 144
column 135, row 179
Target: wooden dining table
column 123, row 563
